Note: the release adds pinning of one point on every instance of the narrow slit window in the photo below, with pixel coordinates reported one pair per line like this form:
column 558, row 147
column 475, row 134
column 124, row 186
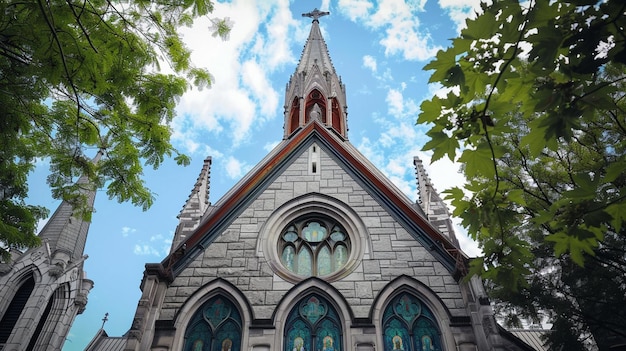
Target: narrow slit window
column 314, row 160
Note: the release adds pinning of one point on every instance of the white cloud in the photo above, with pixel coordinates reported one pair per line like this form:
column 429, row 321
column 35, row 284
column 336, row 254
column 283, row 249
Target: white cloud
column 325, row 5
column 355, row 9
column 401, row 22
column 370, row 63
column 460, row 10
column 126, row 231
column 255, row 79
column 235, row 169
column 275, row 50
column 241, row 95
column 270, row 146
column 395, row 102
column 158, row 245
column 145, row 250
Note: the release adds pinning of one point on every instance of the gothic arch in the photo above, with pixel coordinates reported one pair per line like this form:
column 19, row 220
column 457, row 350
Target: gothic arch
column 336, row 116
column 10, row 287
column 407, row 285
column 46, row 333
column 313, row 98
column 14, row 306
column 307, row 204
column 294, row 115
column 312, row 287
column 218, row 287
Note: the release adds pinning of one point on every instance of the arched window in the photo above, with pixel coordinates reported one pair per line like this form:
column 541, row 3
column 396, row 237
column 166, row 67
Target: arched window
column 13, row 312
column 314, row 246
column 216, row 326
column 315, row 98
column 336, row 116
column 313, row 325
column 294, row 115
column 409, row 325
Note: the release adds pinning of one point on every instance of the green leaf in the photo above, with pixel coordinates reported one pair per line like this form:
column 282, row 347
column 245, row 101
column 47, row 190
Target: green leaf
column 431, row 109
column 443, row 62
column 454, row 77
column 516, row 196
column 441, row 144
column 618, row 213
column 572, row 245
column 478, row 162
column 482, row 27
column 456, row 197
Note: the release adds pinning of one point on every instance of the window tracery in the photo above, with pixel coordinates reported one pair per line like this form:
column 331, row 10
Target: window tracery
column 314, row 246
column 409, row 325
column 313, row 324
column 216, row 326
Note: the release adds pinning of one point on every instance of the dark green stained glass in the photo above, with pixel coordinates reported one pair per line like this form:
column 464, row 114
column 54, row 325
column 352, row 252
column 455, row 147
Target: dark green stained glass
column 409, row 325
column 299, row 336
column 327, row 336
column 313, row 325
column 313, row 309
column 407, row 308
column 216, row 313
column 216, row 326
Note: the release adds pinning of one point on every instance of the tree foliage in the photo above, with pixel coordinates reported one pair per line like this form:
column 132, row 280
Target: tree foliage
column 535, row 112
column 81, row 76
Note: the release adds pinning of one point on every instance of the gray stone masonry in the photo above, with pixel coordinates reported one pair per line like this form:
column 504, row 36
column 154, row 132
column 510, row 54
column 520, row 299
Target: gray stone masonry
column 394, row 252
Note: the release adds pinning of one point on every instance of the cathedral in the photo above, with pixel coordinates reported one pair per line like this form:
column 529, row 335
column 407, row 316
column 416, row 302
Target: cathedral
column 313, row 249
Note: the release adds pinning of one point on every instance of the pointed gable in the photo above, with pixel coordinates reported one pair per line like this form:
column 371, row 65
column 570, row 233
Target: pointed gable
column 351, row 161
column 315, row 248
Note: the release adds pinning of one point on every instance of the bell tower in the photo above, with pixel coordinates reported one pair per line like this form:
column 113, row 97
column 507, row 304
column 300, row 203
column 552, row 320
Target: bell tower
column 314, row 91
column 43, row 288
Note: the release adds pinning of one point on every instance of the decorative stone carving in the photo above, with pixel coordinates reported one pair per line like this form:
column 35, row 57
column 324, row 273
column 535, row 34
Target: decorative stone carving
column 56, row 270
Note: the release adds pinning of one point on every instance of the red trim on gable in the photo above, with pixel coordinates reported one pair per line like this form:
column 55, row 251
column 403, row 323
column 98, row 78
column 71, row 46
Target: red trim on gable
column 257, row 178
column 402, row 205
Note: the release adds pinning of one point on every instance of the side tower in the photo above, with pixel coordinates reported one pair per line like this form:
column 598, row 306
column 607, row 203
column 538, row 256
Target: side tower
column 44, row 288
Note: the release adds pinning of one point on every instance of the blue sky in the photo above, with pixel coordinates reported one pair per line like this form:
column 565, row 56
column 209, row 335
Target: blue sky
column 378, row 48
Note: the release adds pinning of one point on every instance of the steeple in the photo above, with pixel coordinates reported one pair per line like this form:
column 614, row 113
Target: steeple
column 46, row 287
column 314, row 90
column 65, row 233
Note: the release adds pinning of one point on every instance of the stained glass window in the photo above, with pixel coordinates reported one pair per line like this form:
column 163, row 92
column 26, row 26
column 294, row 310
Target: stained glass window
column 314, row 246
column 216, row 326
column 409, row 325
column 313, row 325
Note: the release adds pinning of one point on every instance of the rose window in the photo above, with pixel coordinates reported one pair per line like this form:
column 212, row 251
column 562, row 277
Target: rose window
column 314, row 246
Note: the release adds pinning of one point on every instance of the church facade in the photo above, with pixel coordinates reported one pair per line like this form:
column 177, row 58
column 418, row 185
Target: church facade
column 314, row 249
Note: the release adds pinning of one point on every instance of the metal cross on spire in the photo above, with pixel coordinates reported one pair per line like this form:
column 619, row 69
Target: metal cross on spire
column 105, row 319
column 315, row 14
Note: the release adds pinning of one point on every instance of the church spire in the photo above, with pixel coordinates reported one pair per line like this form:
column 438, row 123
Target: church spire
column 65, row 233
column 315, row 91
